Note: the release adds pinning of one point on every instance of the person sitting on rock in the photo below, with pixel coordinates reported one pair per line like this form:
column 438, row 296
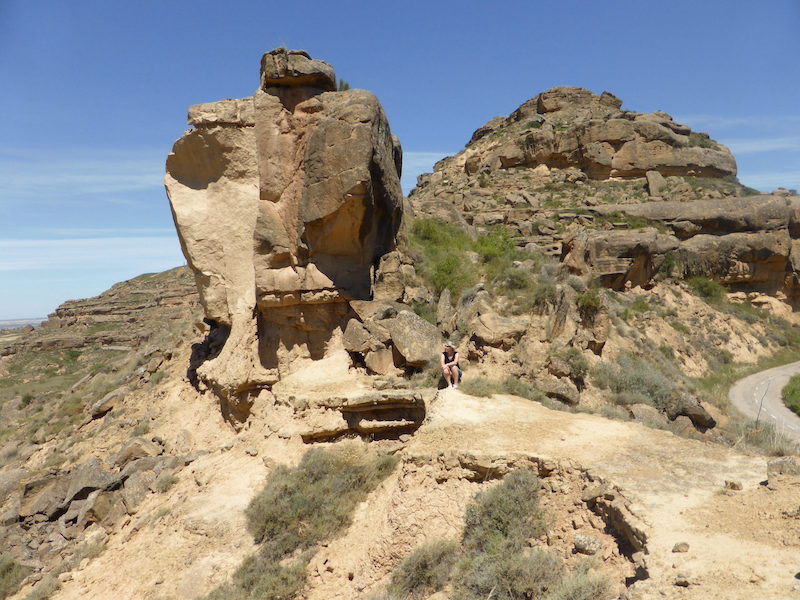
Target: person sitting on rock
column 449, row 362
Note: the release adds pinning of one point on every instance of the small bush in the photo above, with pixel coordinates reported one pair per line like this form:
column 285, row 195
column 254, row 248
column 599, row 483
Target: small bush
column 678, row 326
column 299, row 507
column 589, row 303
column 670, row 265
column 11, row 575
column 507, row 576
column 791, row 394
column 708, row 290
column 577, row 362
column 701, row 140
column 634, row 379
column 26, row 400
column 505, row 516
column 157, row 376
column 583, row 584
column 426, row 310
column 516, row 387
column 576, row 283
column 543, row 295
column 424, row 571
column 481, row 387
column 256, row 578
column 640, row 305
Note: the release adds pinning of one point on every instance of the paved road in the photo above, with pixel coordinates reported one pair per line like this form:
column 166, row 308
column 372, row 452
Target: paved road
column 746, row 395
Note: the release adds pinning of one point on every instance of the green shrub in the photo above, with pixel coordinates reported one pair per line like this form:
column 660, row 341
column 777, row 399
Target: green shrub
column 577, row 362
column 701, row 140
column 589, row 303
column 298, row 507
column 503, row 517
column 424, row 571
column 640, row 305
column 791, row 394
column 426, row 310
column 11, row 575
column 263, row 580
column 634, row 379
column 670, row 265
column 496, row 244
column 533, row 124
column 481, row 387
column 583, row 584
column 708, row 290
column 451, row 272
column 516, row 387
column 678, row 326
column 543, row 295
column 507, row 576
column 157, row 376
column 497, row 525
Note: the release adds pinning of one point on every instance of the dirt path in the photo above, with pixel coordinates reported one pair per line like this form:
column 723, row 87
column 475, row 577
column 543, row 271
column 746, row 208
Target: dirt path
column 763, row 390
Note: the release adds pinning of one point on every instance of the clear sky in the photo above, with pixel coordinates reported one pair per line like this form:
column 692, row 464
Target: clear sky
column 94, row 92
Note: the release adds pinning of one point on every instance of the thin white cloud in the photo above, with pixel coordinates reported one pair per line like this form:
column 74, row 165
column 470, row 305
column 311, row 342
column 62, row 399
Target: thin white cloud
column 148, row 253
column 32, row 174
column 756, row 145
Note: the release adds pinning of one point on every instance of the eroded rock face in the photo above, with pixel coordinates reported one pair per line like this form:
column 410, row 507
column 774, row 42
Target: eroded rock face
column 284, row 203
column 572, row 127
column 749, row 244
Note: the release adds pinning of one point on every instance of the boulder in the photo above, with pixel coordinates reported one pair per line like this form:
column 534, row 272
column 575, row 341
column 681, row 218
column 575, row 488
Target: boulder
column 560, row 389
column 493, row 330
column 135, row 449
column 655, row 183
column 416, row 340
column 357, row 339
column 107, row 402
column 688, row 406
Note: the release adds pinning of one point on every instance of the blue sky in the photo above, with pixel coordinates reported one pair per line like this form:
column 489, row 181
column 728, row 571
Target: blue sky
column 94, row 93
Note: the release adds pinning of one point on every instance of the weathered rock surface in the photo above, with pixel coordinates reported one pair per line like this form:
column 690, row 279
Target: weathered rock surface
column 284, row 204
column 572, row 127
column 749, row 244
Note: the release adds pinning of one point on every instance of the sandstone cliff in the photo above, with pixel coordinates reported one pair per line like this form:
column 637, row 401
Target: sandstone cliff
column 284, row 203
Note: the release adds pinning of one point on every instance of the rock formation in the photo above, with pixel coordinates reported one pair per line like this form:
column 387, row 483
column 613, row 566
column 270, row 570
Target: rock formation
column 284, row 203
column 572, row 127
column 749, row 244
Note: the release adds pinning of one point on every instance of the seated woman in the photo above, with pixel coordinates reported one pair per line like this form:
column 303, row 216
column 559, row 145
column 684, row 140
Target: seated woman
column 449, row 363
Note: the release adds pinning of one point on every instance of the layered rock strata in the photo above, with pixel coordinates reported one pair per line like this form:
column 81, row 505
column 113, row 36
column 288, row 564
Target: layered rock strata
column 749, row 244
column 284, row 203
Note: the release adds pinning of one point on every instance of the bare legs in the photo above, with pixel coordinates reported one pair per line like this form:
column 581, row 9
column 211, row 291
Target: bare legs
column 450, row 376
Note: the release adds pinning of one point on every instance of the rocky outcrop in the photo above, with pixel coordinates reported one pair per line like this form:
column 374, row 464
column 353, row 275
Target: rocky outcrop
column 572, row 127
column 284, row 204
column 749, row 244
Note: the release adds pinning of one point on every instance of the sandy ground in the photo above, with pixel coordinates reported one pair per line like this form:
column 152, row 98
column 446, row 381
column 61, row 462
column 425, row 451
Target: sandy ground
column 742, row 544
column 759, row 396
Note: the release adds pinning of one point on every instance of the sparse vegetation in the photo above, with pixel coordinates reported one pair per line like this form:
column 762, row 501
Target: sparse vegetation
column 634, row 379
column 708, row 290
column 297, row 509
column 425, row 571
column 791, row 394
column 11, row 575
column 589, row 304
column 701, row 140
